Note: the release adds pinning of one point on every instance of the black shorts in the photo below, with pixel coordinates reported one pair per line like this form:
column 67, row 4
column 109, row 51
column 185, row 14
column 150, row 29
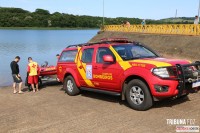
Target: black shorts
column 16, row 79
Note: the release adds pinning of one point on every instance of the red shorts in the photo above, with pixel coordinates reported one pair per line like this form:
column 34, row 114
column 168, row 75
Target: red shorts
column 33, row 79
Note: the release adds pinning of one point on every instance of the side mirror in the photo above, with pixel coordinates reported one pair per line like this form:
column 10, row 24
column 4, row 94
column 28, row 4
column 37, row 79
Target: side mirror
column 108, row 59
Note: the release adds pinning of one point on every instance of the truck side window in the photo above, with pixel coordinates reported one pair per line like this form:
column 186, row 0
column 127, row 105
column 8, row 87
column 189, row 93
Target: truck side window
column 68, row 56
column 87, row 55
column 101, row 52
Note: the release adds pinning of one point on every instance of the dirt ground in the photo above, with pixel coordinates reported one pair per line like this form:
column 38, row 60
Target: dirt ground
column 174, row 45
column 51, row 110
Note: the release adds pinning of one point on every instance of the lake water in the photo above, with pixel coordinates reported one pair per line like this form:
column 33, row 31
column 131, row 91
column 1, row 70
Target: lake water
column 41, row 45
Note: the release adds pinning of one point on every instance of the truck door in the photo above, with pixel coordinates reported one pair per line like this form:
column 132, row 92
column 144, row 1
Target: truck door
column 84, row 65
column 106, row 75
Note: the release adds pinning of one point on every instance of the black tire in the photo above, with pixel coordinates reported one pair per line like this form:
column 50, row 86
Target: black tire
column 141, row 98
column 183, row 96
column 70, row 86
column 40, row 82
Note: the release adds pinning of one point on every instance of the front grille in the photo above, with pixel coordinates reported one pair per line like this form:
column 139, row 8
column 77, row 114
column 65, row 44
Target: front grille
column 187, row 74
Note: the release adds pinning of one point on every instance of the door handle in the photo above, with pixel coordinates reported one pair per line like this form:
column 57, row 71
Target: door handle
column 80, row 67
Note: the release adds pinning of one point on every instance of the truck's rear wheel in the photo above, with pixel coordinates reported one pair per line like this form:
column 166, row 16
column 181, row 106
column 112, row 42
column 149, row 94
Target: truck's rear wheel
column 138, row 95
column 70, row 86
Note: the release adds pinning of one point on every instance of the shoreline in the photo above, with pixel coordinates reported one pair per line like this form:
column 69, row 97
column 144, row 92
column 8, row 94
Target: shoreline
column 1, row 87
column 6, row 86
column 46, row 28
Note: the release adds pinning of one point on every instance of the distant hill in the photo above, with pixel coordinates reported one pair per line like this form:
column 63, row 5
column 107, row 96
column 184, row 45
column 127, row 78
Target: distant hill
column 184, row 20
column 17, row 17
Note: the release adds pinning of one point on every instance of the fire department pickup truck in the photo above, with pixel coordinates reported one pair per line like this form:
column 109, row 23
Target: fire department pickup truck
column 129, row 69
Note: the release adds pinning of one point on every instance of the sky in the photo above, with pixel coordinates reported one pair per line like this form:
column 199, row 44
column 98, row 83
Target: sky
column 144, row 9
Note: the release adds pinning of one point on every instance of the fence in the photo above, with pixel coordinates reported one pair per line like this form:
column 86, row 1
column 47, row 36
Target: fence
column 172, row 29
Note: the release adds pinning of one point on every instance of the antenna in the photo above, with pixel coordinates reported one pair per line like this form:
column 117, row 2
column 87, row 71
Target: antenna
column 176, row 13
column 103, row 13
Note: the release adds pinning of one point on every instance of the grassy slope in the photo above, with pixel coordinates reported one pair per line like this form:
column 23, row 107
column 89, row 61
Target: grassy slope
column 179, row 19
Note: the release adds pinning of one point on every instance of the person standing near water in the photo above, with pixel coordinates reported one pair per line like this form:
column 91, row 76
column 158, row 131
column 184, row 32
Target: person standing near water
column 16, row 76
column 33, row 74
column 196, row 20
column 143, row 23
column 57, row 56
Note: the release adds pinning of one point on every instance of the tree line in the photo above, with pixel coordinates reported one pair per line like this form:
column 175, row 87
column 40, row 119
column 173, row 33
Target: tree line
column 17, row 17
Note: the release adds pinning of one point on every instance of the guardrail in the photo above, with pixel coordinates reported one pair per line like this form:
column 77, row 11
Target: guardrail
column 172, row 29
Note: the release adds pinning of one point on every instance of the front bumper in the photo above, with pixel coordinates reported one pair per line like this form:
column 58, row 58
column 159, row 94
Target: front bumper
column 178, row 86
column 187, row 75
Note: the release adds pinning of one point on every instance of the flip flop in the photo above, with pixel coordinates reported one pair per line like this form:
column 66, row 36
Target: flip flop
column 15, row 92
column 20, row 93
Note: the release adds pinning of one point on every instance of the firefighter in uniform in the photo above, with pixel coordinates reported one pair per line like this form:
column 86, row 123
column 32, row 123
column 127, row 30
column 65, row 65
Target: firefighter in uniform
column 33, row 74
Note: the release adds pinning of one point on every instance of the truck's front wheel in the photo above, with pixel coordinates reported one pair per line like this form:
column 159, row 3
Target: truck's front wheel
column 70, row 86
column 138, row 95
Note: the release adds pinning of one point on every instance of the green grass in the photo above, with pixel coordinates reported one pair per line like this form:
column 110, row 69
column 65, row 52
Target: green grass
column 177, row 20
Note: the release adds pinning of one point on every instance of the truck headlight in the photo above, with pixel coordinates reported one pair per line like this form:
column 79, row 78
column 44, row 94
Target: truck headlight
column 161, row 72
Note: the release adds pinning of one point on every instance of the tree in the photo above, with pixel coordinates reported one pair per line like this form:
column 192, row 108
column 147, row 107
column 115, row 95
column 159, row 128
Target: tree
column 42, row 12
column 17, row 17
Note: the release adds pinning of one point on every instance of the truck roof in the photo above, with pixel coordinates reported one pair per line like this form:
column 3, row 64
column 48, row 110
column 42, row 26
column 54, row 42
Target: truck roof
column 104, row 41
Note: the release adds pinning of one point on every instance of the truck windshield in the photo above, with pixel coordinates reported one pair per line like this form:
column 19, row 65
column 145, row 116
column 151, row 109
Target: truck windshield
column 131, row 51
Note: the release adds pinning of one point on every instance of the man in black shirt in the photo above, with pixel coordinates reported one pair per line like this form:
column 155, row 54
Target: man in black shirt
column 15, row 74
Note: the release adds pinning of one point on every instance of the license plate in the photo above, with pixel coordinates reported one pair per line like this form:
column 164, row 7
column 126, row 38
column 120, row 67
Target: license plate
column 196, row 84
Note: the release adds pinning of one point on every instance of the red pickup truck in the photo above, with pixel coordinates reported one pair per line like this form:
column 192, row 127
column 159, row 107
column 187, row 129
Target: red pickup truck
column 129, row 69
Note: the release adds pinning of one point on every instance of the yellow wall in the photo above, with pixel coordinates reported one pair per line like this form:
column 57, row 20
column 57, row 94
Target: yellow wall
column 177, row 29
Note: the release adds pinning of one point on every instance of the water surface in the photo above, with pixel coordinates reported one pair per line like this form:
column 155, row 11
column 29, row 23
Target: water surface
column 41, row 45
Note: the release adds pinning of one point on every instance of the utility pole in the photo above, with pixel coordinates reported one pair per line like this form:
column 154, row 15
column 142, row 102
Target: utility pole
column 199, row 9
column 174, row 19
column 176, row 13
column 103, row 13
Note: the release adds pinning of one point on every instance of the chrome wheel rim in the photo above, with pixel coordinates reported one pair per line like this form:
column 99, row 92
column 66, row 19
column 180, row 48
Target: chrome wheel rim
column 136, row 95
column 69, row 86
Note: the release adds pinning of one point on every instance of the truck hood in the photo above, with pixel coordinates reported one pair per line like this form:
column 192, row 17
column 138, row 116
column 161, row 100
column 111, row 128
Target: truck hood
column 161, row 62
